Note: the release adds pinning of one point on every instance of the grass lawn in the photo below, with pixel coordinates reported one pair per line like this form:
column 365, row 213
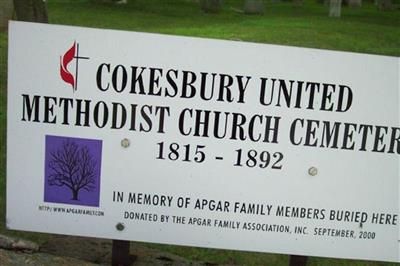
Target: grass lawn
column 363, row 30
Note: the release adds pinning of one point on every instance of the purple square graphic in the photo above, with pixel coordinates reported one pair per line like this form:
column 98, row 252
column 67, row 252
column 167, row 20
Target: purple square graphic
column 72, row 170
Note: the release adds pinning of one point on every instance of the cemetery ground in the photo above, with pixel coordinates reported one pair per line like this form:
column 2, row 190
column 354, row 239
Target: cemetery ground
column 363, row 30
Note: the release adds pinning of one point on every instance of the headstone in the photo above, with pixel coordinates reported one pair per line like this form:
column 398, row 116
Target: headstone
column 385, row 4
column 297, row 2
column 354, row 3
column 335, row 7
column 211, row 6
column 253, row 7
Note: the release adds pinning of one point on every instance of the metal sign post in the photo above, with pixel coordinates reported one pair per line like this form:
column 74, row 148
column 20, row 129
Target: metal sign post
column 120, row 253
column 296, row 260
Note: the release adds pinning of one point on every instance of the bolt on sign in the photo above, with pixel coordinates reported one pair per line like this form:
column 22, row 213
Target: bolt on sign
column 200, row 142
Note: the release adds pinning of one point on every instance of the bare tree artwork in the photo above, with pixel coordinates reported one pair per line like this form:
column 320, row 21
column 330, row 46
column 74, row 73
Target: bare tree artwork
column 72, row 166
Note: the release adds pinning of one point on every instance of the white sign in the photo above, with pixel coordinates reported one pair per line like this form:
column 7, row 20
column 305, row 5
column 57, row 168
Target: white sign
column 201, row 142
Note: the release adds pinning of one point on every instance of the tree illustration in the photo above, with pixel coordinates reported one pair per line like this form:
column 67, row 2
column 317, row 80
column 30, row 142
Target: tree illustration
column 72, row 166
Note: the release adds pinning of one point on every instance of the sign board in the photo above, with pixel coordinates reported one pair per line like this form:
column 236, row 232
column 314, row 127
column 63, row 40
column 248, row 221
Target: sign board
column 200, row 142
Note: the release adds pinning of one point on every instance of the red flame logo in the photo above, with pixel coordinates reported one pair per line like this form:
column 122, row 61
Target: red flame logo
column 64, row 61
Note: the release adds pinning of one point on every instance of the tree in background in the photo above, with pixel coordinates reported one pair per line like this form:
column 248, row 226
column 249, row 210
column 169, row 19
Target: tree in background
column 212, row 6
column 31, row 10
column 253, row 7
column 6, row 12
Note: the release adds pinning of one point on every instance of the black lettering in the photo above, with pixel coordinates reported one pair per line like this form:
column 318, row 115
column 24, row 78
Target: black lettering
column 348, row 136
column 49, row 109
column 202, row 122
column 123, row 78
column 133, row 117
column 329, row 134
column 287, row 94
column 312, row 86
column 99, row 77
column 326, row 104
column 217, row 116
column 271, row 130
column 344, row 104
column 251, row 128
column 64, row 102
column 204, row 85
column 115, row 116
column 364, row 135
column 97, row 115
column 293, row 131
column 137, row 79
column 162, row 110
column 80, row 112
column 226, row 82
column 188, row 79
column 379, row 139
column 172, row 83
column 146, row 118
column 29, row 107
column 182, row 121
column 242, row 88
column 310, row 140
column 154, row 81
column 395, row 141
column 237, row 126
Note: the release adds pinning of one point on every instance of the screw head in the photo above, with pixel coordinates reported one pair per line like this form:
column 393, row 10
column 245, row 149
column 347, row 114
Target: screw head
column 312, row 171
column 125, row 143
column 120, row 226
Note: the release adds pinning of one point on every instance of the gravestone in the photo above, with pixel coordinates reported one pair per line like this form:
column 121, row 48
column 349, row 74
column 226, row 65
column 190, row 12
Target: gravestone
column 211, row 6
column 253, row 7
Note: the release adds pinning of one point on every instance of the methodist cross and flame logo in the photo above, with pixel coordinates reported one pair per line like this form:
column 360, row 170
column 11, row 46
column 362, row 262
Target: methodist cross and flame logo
column 66, row 75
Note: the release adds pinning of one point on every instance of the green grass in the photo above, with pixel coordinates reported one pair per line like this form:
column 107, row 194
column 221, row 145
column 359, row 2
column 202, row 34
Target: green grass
column 363, row 30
